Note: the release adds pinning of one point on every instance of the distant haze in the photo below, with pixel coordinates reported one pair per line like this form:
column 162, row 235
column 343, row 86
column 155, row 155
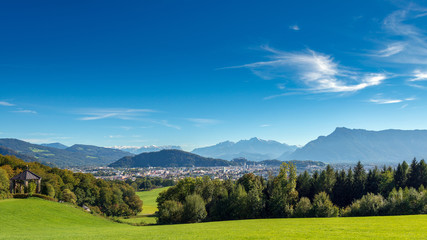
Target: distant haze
column 254, row 149
column 152, row 148
column 352, row 145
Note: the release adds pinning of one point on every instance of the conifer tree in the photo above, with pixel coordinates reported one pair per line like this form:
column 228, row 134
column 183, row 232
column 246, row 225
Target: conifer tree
column 359, row 181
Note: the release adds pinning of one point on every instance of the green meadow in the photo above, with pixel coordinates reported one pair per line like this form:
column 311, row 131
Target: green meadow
column 40, row 219
column 149, row 198
column 148, row 209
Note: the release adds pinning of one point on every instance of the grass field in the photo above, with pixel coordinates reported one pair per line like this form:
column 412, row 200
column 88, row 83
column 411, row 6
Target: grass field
column 149, row 199
column 148, row 209
column 40, row 219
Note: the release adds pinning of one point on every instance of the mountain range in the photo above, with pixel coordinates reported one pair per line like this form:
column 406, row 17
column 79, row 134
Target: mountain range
column 152, row 148
column 343, row 145
column 351, row 145
column 254, row 149
column 76, row 155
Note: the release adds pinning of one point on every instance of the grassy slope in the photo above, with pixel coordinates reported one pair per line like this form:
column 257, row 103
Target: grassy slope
column 40, row 219
column 149, row 199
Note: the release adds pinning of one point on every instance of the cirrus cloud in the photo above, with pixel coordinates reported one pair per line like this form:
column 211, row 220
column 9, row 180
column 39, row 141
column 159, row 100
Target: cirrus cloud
column 6, row 104
column 203, row 122
column 316, row 72
column 120, row 113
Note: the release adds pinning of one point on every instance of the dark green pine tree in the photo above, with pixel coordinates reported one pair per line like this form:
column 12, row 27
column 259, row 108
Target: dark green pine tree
column 359, row 181
column 348, row 194
column 423, row 172
column 304, row 185
column 417, row 174
column 340, row 191
column 401, row 175
column 413, row 174
column 327, row 180
column 314, row 188
column 373, row 181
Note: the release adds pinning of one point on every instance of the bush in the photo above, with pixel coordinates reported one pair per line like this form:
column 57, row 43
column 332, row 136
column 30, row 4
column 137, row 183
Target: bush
column 68, row 196
column 26, row 195
column 31, row 189
column 170, row 212
column 408, row 201
column 194, row 209
column 45, row 197
column 50, row 190
column 368, row 205
column 323, row 207
column 20, row 195
column 303, row 208
column 4, row 184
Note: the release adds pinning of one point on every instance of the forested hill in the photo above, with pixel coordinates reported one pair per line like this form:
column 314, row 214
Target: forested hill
column 104, row 155
column 169, row 158
column 77, row 155
column 352, row 145
column 9, row 152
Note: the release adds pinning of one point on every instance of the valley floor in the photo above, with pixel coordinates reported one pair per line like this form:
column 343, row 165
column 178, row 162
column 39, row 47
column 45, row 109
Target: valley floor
column 40, row 219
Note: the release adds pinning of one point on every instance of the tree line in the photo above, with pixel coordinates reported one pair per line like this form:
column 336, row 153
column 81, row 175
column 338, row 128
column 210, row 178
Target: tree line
column 148, row 183
column 112, row 198
column 328, row 193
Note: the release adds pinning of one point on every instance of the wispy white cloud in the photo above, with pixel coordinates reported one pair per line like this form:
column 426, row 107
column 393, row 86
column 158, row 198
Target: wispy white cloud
column 264, row 125
column 318, row 72
column 45, row 140
column 390, row 100
column 115, row 136
column 282, row 95
column 419, row 76
column 391, row 49
column 203, row 122
column 411, row 48
column 25, row 111
column 294, row 27
column 124, row 114
column 37, row 140
column 7, row 104
column 385, row 101
column 281, row 86
column 166, row 124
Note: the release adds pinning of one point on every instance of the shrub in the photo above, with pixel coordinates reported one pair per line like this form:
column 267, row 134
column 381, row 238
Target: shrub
column 368, row 205
column 303, row 208
column 45, row 197
column 20, row 195
column 26, row 195
column 50, row 190
column 31, row 189
column 323, row 207
column 408, row 201
column 4, row 184
column 194, row 209
column 170, row 212
column 68, row 196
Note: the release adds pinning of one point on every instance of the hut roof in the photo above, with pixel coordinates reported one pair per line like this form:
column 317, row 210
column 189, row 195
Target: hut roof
column 26, row 175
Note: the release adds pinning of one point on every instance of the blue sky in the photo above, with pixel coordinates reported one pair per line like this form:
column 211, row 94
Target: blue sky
column 194, row 73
